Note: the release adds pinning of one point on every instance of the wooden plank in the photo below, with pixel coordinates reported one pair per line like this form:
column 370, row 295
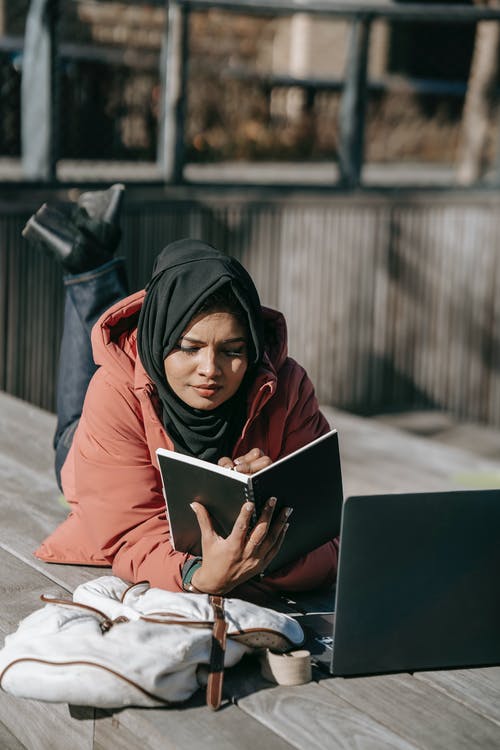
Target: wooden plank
column 22, row 587
column 27, row 476
column 416, row 711
column 477, row 438
column 40, row 726
column 8, row 741
column 227, row 729
column 477, row 688
column 23, row 528
column 426, row 423
column 26, row 434
column 377, row 458
column 36, row 725
column 312, row 718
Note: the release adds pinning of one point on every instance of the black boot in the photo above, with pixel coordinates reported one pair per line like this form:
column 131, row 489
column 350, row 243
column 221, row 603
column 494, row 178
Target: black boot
column 103, row 205
column 81, row 236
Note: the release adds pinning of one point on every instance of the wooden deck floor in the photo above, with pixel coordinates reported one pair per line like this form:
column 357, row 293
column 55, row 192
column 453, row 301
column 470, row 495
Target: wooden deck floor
column 447, row 709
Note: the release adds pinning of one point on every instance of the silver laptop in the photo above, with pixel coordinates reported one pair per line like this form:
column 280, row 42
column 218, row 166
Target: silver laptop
column 418, row 585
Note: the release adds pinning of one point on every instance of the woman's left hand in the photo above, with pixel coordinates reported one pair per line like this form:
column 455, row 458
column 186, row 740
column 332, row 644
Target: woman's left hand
column 246, row 552
column 250, row 463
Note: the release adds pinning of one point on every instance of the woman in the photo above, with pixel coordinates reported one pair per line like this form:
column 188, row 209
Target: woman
column 194, row 364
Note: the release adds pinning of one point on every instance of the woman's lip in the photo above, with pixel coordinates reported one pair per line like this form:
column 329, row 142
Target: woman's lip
column 207, row 390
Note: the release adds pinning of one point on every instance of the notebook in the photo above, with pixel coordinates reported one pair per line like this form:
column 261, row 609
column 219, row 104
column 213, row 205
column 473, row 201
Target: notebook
column 417, row 586
column 308, row 480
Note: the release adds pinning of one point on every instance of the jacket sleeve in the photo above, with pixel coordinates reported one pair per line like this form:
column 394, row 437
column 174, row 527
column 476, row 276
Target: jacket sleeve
column 304, row 422
column 118, row 488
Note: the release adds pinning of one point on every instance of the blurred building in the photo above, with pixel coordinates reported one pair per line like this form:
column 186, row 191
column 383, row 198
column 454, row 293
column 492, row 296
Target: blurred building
column 237, row 107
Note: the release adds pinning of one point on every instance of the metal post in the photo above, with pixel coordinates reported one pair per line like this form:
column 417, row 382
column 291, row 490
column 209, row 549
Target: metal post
column 39, row 92
column 53, row 24
column 173, row 78
column 352, row 107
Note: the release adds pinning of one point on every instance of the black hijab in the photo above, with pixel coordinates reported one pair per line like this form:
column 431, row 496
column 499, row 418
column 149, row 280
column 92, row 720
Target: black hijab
column 185, row 273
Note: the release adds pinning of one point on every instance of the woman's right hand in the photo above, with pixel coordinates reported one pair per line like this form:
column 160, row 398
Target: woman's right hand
column 243, row 554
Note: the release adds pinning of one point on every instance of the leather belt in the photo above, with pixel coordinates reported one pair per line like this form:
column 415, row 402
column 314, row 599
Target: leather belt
column 218, row 648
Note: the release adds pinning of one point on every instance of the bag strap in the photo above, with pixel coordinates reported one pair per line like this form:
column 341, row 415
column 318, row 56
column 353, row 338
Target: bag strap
column 217, row 651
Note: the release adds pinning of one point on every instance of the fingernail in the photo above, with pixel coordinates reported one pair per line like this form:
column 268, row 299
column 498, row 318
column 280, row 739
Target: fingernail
column 237, row 461
column 286, row 527
column 288, row 512
column 249, row 507
column 272, row 502
column 191, row 505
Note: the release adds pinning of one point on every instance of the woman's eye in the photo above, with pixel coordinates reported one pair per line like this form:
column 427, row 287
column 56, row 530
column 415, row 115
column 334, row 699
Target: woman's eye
column 189, row 349
column 234, row 352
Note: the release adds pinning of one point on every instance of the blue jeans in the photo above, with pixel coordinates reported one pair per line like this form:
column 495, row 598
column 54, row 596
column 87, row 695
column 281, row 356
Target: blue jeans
column 87, row 296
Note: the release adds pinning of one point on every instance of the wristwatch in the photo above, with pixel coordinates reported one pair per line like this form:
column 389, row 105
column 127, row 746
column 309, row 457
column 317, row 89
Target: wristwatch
column 188, row 570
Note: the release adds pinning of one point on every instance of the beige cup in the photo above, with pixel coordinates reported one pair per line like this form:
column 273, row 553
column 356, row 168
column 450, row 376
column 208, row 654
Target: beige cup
column 293, row 668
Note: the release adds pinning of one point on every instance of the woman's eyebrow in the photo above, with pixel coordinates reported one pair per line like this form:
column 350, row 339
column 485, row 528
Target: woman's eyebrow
column 191, row 341
column 225, row 341
column 233, row 341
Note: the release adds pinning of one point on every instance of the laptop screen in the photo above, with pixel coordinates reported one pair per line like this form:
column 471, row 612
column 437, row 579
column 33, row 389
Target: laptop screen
column 417, row 584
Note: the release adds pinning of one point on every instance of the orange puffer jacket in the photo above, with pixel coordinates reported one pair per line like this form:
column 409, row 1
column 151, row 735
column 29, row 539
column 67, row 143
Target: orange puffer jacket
column 111, row 477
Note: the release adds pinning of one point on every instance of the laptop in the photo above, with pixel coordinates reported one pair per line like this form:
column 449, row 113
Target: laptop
column 418, row 585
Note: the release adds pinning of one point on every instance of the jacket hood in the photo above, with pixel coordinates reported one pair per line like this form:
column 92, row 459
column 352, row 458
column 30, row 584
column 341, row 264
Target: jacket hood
column 114, row 339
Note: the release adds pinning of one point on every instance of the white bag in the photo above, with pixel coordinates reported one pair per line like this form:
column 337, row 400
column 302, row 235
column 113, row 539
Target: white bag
column 118, row 645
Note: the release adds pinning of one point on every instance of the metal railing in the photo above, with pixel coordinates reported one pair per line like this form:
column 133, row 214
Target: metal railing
column 174, row 74
column 352, row 109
